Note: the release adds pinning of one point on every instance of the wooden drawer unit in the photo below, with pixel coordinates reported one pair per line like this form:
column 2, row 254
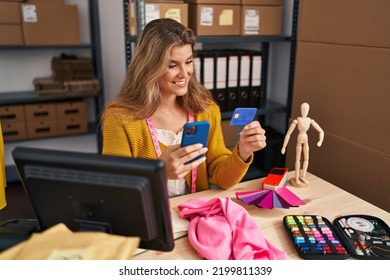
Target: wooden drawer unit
column 72, row 117
column 13, row 113
column 13, row 131
column 72, row 125
column 13, row 124
column 42, row 128
column 71, row 109
column 40, row 111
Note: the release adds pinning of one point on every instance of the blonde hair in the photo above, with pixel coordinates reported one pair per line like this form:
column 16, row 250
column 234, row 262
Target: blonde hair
column 140, row 92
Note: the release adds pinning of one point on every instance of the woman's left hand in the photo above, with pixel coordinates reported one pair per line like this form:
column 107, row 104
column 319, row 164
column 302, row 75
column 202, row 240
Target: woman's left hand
column 252, row 139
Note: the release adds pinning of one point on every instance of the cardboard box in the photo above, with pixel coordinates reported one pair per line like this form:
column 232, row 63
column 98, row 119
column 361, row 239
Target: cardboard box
column 346, row 87
column 12, row 114
column 261, row 20
column 10, row 24
column 72, row 109
column 262, row 2
column 359, row 170
column 13, row 131
column 177, row 11
column 9, row 13
column 42, row 128
column 72, row 117
column 218, row 2
column 40, row 111
column 214, row 20
column 50, row 24
column 73, row 125
column 164, row 1
column 12, row 120
column 363, row 23
column 11, row 35
column 45, row 1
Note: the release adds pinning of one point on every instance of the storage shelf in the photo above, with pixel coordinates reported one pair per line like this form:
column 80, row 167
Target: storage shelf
column 83, row 141
column 231, row 39
column 18, row 97
column 266, row 108
column 242, row 39
column 13, row 48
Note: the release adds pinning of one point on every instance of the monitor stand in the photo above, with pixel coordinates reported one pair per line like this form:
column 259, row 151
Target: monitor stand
column 15, row 231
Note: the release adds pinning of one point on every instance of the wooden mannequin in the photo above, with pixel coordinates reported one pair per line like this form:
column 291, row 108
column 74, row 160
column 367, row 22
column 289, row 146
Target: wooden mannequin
column 303, row 124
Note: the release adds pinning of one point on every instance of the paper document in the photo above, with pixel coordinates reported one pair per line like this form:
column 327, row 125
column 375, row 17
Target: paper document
column 179, row 225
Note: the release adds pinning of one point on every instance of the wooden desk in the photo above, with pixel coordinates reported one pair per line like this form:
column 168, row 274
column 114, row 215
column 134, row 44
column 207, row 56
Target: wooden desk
column 321, row 197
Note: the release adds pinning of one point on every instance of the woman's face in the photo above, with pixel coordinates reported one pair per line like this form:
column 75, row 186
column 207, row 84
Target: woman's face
column 175, row 79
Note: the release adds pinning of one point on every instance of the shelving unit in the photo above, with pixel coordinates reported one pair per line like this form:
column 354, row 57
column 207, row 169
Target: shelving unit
column 271, row 155
column 95, row 103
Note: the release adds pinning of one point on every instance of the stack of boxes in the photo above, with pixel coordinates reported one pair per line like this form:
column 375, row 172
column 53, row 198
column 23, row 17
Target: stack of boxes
column 38, row 22
column 215, row 17
column 342, row 71
column 71, row 77
column 40, row 120
column 10, row 24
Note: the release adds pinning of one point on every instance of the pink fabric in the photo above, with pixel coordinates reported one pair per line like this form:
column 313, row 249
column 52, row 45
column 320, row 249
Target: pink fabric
column 221, row 229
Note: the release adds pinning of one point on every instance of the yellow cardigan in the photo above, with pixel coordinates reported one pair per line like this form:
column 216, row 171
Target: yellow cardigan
column 124, row 136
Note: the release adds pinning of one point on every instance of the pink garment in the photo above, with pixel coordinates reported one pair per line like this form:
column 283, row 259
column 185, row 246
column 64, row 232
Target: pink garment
column 221, row 229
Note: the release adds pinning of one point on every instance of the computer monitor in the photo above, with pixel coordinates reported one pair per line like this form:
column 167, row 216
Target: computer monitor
column 94, row 192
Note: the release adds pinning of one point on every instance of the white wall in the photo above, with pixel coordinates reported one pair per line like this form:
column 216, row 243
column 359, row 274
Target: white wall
column 113, row 46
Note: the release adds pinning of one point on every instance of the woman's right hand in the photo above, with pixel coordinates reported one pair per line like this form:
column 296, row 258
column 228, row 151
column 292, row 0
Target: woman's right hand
column 175, row 157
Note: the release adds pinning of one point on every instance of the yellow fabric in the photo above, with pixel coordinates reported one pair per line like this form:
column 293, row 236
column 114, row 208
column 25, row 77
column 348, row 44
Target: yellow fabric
column 124, row 136
column 3, row 181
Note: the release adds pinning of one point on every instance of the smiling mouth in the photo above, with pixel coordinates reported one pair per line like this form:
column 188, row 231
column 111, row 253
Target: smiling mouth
column 180, row 83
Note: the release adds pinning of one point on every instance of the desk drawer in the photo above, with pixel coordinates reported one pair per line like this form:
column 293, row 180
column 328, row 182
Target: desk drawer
column 13, row 113
column 13, row 131
column 40, row 111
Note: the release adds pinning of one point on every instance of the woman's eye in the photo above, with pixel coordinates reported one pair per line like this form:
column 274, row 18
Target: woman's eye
column 189, row 61
column 172, row 66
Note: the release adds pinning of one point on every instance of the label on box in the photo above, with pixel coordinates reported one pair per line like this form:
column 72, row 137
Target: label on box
column 30, row 13
column 173, row 14
column 206, row 16
column 252, row 22
column 226, row 18
column 152, row 12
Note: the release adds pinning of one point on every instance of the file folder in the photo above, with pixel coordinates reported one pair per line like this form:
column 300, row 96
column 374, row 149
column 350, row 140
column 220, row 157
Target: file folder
column 232, row 80
column 255, row 97
column 244, row 78
column 220, row 85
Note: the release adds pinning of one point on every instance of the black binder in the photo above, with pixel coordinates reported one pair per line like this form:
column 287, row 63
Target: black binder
column 244, row 64
column 208, row 76
column 255, row 96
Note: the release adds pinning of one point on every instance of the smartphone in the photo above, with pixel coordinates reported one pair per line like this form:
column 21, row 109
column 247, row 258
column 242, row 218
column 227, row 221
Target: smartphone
column 193, row 133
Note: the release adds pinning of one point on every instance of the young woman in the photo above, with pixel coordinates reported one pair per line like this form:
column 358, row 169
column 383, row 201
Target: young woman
column 159, row 95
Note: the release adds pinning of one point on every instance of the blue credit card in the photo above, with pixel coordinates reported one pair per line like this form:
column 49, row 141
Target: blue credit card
column 243, row 116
